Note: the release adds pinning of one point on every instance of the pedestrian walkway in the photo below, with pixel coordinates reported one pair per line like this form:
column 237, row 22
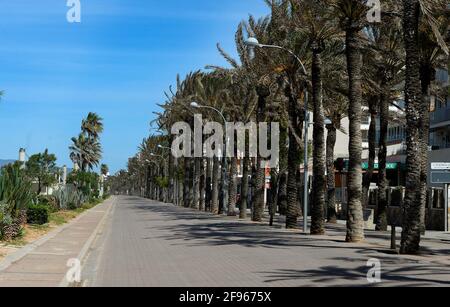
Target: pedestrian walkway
column 147, row 243
column 44, row 262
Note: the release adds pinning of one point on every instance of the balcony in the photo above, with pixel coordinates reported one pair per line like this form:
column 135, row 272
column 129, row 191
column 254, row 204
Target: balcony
column 440, row 118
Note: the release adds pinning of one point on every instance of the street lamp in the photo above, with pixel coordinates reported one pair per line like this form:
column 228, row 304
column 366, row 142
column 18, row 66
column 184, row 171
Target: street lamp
column 224, row 159
column 253, row 43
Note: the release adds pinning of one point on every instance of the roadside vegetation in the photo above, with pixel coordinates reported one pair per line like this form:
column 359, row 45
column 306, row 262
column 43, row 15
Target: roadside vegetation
column 37, row 196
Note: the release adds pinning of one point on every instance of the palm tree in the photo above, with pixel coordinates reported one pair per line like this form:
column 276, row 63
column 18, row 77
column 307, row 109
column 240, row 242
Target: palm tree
column 86, row 149
column 433, row 55
column 412, row 204
column 386, row 62
column 352, row 14
column 92, row 125
column 417, row 123
column 85, row 152
column 295, row 121
column 320, row 29
column 335, row 109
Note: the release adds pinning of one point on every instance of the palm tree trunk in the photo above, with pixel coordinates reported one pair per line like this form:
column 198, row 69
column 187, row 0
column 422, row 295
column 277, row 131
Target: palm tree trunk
column 317, row 208
column 215, row 187
column 208, row 184
column 382, row 224
column 223, row 185
column 196, row 184
column 244, row 188
column 293, row 207
column 427, row 72
column 201, row 206
column 282, row 193
column 331, row 175
column 355, row 221
column 259, row 190
column 171, row 191
column 187, row 175
column 425, row 139
column 260, row 180
column 367, row 179
column 232, row 187
column 412, row 203
column 273, row 195
column 282, row 185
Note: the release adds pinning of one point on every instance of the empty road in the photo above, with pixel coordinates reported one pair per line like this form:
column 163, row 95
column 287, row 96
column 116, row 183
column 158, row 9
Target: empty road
column 145, row 243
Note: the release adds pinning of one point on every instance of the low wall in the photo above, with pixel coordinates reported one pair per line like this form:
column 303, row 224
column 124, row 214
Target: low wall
column 434, row 215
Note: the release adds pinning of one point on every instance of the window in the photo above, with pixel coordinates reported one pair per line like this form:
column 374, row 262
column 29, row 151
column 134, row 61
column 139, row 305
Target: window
column 365, row 136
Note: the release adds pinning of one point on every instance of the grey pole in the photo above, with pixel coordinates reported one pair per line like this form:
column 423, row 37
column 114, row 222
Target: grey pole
column 252, row 42
column 306, row 168
column 446, row 207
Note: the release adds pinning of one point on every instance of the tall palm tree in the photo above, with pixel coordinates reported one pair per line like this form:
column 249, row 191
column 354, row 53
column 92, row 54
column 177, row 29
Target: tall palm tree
column 92, row 125
column 386, row 59
column 433, row 55
column 335, row 109
column 314, row 18
column 414, row 201
column 352, row 14
column 412, row 204
column 296, row 118
column 85, row 152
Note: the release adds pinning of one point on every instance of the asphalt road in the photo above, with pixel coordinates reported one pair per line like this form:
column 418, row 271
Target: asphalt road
column 145, row 243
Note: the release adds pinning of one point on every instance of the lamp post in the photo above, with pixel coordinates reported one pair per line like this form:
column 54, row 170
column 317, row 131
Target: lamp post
column 253, row 43
column 224, row 159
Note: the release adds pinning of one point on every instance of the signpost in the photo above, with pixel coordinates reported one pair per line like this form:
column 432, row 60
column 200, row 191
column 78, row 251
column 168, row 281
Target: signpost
column 440, row 174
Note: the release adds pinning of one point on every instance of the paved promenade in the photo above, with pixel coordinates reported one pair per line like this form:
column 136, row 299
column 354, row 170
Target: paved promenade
column 145, row 243
column 44, row 263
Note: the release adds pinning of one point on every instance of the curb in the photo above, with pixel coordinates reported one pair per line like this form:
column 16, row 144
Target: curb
column 24, row 251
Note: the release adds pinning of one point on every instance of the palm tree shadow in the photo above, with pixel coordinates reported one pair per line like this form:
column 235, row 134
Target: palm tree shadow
column 414, row 275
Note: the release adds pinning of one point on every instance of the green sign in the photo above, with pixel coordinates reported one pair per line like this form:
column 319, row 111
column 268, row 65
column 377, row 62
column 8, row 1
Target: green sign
column 389, row 166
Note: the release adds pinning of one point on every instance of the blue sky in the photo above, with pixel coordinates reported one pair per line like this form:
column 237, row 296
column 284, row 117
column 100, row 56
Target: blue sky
column 117, row 62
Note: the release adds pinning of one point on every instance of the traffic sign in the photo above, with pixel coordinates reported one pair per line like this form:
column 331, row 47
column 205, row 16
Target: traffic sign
column 440, row 177
column 440, row 166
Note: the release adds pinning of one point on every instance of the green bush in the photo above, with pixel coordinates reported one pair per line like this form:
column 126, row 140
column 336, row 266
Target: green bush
column 49, row 200
column 38, row 214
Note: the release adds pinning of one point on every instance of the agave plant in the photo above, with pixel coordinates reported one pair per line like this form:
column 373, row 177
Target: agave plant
column 15, row 190
column 15, row 197
column 69, row 198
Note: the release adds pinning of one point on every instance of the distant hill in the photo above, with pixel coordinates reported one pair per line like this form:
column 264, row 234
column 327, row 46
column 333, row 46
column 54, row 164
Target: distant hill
column 6, row 162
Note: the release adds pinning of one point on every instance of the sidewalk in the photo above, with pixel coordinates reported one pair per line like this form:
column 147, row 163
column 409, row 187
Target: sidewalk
column 435, row 245
column 44, row 262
